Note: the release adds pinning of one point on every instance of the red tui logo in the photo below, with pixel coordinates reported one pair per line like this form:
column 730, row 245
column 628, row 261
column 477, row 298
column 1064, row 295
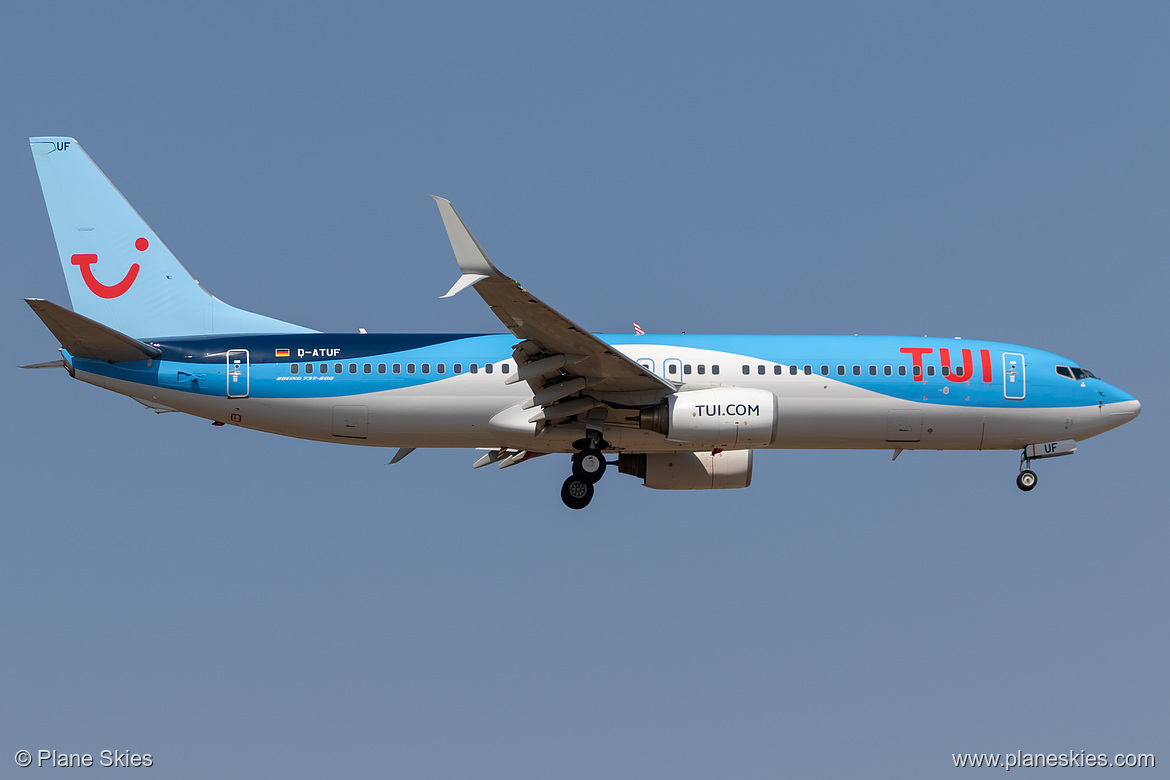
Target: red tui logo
column 108, row 291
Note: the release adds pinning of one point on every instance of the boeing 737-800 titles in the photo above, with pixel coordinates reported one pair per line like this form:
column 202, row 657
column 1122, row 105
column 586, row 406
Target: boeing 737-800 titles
column 678, row 412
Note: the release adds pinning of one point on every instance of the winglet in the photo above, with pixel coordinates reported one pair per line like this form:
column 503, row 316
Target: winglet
column 463, row 282
column 472, row 260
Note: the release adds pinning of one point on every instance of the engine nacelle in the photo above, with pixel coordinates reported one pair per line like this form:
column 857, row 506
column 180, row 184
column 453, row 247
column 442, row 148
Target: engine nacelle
column 722, row 418
column 690, row 470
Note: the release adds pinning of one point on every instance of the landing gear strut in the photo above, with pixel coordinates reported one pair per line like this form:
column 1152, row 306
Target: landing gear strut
column 588, row 467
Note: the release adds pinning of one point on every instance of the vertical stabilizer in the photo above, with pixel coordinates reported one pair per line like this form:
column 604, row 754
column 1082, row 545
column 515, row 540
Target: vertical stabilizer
column 118, row 271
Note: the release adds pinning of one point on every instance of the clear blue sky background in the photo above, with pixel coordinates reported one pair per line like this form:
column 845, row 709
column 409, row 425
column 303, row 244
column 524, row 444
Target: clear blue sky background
column 240, row 605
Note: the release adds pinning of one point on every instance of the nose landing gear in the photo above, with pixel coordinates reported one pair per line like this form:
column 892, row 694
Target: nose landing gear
column 1052, row 449
column 1026, row 480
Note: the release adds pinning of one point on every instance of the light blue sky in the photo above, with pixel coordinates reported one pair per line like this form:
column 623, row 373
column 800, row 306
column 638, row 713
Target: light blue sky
column 240, row 605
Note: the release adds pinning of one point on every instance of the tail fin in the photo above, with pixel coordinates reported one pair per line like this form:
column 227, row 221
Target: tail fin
column 138, row 287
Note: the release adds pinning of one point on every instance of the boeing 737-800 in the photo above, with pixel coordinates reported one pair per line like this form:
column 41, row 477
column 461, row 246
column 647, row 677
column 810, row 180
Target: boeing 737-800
column 679, row 412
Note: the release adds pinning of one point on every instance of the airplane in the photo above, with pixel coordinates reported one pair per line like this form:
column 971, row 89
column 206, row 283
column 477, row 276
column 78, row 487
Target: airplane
column 679, row 412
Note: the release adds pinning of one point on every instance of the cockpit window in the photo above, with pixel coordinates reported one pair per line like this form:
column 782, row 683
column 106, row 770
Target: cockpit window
column 1075, row 372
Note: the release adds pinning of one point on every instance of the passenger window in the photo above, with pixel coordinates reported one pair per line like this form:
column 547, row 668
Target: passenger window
column 760, row 369
column 857, row 371
column 367, row 368
column 946, row 370
column 474, row 367
column 397, row 368
column 889, row 371
column 808, row 370
column 687, row 368
column 714, row 369
column 746, row 369
column 324, row 368
column 901, row 370
column 308, row 368
column 930, row 370
column 840, row 370
column 353, row 368
column 505, row 367
column 672, row 369
column 441, row 368
column 777, row 369
column 382, row 368
column 487, row 368
column 457, row 368
column 873, row 370
column 824, row 370
column 337, row 368
column 410, row 368
column 792, row 370
column 294, row 368
column 917, row 370
column 426, row 368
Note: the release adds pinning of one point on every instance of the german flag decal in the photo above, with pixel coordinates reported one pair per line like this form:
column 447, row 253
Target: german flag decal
column 282, row 353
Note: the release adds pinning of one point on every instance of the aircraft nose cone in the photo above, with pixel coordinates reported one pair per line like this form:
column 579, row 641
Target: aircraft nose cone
column 1126, row 409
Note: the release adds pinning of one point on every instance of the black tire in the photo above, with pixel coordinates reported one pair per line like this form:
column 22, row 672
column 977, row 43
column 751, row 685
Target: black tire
column 588, row 465
column 576, row 493
column 1027, row 480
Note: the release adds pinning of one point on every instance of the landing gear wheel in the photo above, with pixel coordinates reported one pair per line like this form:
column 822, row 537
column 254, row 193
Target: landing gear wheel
column 588, row 465
column 1026, row 480
column 577, row 493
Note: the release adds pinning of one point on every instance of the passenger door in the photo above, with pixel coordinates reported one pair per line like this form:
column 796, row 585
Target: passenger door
column 1013, row 376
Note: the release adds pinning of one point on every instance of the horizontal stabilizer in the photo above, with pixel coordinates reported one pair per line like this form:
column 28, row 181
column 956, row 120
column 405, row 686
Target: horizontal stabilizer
column 58, row 363
column 84, row 338
column 402, row 453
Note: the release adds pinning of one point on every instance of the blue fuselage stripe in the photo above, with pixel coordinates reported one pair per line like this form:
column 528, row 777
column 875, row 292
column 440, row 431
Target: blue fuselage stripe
column 199, row 365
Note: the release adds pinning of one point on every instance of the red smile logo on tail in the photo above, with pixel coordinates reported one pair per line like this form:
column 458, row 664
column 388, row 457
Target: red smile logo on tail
column 108, row 291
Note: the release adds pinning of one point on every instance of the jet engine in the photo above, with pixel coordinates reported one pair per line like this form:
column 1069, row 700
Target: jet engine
column 718, row 418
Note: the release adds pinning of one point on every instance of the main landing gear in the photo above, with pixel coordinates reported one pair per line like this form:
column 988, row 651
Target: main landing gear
column 588, row 467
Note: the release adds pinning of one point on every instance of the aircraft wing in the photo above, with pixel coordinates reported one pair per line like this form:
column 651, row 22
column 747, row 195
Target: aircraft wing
column 570, row 370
